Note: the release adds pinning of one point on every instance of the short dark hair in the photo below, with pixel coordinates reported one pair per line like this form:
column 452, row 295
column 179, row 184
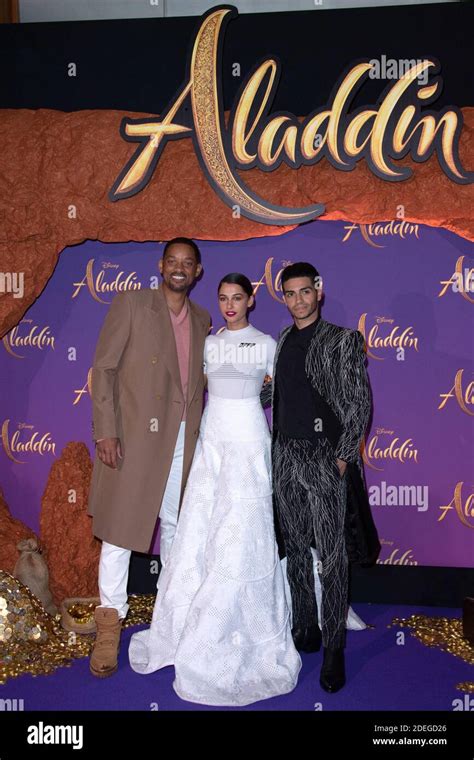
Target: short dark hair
column 300, row 269
column 184, row 241
column 235, row 278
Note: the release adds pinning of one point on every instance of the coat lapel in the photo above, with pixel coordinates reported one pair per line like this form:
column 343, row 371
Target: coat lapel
column 197, row 330
column 314, row 357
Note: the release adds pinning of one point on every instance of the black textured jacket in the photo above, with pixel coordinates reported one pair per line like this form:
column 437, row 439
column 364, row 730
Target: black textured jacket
column 335, row 367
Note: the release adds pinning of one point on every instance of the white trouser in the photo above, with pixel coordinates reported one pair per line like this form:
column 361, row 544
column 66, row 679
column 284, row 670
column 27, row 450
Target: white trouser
column 170, row 504
column 113, row 577
column 114, row 561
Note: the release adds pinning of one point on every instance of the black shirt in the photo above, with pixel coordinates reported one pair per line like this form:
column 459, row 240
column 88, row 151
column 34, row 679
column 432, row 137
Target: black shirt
column 301, row 411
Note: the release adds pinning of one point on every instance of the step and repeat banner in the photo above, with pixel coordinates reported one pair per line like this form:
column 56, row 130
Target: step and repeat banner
column 408, row 288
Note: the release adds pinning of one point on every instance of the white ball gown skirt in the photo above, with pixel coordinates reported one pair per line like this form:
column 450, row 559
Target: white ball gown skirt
column 221, row 615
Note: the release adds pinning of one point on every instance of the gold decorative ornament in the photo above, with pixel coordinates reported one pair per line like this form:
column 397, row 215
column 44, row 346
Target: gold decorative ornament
column 444, row 633
column 32, row 641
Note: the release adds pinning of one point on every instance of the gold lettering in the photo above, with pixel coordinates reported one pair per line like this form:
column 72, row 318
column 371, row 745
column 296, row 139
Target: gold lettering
column 392, row 130
column 35, row 444
column 98, row 285
column 401, row 451
column 240, row 136
column 462, row 398
column 464, row 514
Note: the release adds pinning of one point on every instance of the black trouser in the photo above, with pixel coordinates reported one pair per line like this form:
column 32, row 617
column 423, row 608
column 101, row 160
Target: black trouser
column 310, row 498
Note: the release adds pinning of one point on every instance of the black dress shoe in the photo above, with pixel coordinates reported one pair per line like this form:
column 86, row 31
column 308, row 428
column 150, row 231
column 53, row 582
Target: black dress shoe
column 333, row 675
column 307, row 639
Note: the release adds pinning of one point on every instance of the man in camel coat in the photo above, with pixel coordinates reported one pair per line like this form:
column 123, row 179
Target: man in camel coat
column 147, row 395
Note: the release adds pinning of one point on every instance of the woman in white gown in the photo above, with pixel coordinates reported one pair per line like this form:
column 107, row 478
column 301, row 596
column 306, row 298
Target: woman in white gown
column 221, row 615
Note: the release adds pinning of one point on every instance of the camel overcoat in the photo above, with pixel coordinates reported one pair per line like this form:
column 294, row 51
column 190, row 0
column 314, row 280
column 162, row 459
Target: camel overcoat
column 137, row 397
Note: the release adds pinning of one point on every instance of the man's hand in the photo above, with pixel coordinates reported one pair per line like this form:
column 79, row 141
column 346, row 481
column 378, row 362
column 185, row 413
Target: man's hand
column 108, row 449
column 342, row 466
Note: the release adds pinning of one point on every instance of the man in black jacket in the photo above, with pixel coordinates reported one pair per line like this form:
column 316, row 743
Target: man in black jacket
column 321, row 405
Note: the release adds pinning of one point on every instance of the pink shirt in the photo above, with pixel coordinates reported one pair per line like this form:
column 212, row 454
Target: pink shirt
column 181, row 329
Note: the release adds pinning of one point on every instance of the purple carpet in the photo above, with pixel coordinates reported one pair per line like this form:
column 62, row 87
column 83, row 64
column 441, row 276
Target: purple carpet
column 381, row 675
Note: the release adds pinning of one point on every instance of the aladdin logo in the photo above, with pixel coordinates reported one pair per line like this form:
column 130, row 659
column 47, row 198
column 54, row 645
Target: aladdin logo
column 36, row 443
column 36, row 337
column 120, row 282
column 396, row 338
column 400, row 229
column 461, row 281
column 393, row 559
column 465, row 511
column 273, row 284
column 86, row 388
column 462, row 397
column 254, row 137
column 397, row 450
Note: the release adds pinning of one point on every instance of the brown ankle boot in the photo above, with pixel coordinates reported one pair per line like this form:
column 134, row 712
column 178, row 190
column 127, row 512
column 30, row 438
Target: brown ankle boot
column 104, row 656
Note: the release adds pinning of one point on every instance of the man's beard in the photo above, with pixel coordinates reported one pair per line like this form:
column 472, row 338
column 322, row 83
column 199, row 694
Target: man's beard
column 176, row 286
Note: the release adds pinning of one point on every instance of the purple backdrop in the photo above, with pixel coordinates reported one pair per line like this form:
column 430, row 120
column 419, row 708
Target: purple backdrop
column 397, row 284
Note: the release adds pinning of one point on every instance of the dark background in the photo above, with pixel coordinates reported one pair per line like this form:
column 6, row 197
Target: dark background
column 137, row 65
